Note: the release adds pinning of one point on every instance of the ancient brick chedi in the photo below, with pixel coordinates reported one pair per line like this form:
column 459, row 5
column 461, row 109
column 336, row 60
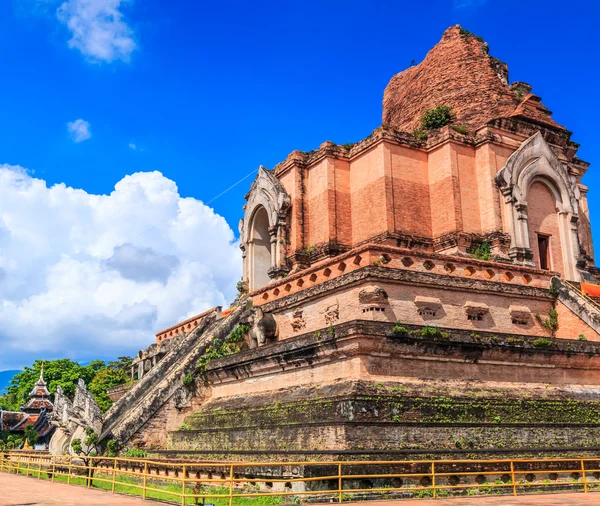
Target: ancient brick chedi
column 427, row 290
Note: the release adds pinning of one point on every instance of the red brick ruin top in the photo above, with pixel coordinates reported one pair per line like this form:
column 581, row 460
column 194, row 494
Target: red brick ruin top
column 460, row 73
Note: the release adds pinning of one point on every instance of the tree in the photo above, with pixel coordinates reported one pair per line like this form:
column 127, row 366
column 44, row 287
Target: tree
column 87, row 449
column 31, row 436
column 103, row 380
column 66, row 373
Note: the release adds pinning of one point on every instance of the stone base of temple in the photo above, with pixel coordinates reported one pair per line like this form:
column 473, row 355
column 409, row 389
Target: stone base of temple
column 367, row 389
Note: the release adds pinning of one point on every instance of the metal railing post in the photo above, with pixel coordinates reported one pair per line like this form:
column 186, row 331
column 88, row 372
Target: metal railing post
column 113, row 475
column 585, row 485
column 512, row 475
column 183, row 488
column 53, row 467
column 231, row 485
column 145, row 480
column 433, row 479
column 89, row 483
column 28, row 465
column 69, row 470
column 340, row 498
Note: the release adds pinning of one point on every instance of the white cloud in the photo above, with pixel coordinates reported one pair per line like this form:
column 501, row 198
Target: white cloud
column 132, row 146
column 79, row 130
column 98, row 29
column 96, row 276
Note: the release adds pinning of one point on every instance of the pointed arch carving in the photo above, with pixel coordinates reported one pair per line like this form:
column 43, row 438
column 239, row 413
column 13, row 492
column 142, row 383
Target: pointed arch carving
column 267, row 198
column 533, row 162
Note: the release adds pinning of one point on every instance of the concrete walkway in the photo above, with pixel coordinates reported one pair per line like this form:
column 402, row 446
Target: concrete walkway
column 23, row 491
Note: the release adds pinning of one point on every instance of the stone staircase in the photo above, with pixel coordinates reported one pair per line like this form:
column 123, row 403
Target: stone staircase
column 585, row 307
column 149, row 394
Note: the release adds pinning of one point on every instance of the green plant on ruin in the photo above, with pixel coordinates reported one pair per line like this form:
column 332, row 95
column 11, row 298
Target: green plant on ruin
column 399, row 329
column 310, row 250
column 184, row 426
column 461, row 129
column 581, row 337
column 242, row 288
column 331, row 330
column 554, row 289
column 467, row 33
column 482, row 251
column 542, row 342
column 112, row 448
column 432, row 332
column 135, row 453
column 349, row 145
column 550, row 323
column 188, row 381
column 230, row 345
column 437, row 117
column 248, row 304
column 420, row 134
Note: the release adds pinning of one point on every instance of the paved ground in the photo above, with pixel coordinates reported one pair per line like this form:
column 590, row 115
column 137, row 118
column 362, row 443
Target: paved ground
column 23, row 491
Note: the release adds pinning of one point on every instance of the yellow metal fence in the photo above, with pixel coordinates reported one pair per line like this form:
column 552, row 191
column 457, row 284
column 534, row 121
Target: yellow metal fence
column 261, row 483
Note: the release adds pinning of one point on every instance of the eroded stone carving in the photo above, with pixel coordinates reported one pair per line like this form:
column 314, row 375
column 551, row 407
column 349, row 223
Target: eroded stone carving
column 298, row 321
column 374, row 295
column 263, row 329
column 73, row 418
column 332, row 314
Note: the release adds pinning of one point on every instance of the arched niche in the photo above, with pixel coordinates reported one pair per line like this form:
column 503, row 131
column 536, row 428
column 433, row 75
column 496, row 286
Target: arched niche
column 264, row 230
column 259, row 249
column 532, row 181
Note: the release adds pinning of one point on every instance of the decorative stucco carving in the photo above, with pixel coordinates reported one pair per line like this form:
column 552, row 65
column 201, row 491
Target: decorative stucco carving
column 298, row 322
column 535, row 161
column 373, row 295
column 266, row 193
column 73, row 418
column 332, row 313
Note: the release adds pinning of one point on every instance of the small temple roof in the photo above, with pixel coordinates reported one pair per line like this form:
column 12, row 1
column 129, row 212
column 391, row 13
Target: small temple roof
column 39, row 397
column 459, row 72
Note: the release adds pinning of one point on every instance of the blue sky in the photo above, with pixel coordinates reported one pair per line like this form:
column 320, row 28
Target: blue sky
column 204, row 92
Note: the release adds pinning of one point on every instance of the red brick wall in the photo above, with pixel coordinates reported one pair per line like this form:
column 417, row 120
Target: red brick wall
column 543, row 219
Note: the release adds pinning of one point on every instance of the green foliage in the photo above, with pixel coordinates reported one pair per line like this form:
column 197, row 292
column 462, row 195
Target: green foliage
column 467, row 33
column 542, row 342
column 581, row 337
column 242, row 288
column 550, row 323
column 427, row 331
column 135, row 453
column 310, row 249
column 230, row 345
column 399, row 329
column 97, row 375
column 31, row 436
column 554, row 289
column 348, row 145
column 105, row 378
column 188, row 381
column 9, row 441
column 461, row 129
column 112, row 448
column 420, row 134
column 483, row 251
column 76, row 446
column 437, row 117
